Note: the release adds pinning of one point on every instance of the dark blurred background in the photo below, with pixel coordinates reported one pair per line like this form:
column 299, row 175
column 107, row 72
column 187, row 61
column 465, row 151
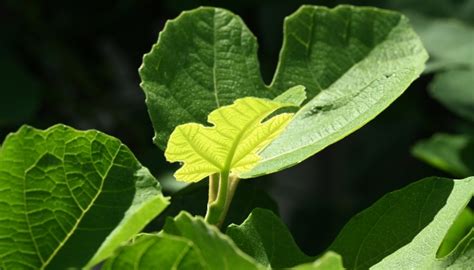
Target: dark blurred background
column 75, row 62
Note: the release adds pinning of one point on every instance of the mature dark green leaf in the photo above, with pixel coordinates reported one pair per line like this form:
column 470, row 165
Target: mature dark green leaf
column 405, row 228
column 61, row 186
column 205, row 58
column 264, row 237
column 354, row 61
column 451, row 153
column 217, row 250
column 329, row 261
column 157, row 251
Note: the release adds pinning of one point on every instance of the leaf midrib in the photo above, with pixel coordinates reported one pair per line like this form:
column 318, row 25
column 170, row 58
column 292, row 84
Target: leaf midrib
column 73, row 229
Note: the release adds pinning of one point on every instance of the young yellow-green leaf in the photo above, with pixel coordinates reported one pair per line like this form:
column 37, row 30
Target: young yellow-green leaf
column 232, row 144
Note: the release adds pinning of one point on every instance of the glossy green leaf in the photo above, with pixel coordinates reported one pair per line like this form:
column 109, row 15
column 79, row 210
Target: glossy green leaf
column 60, row 187
column 264, row 237
column 455, row 90
column 157, row 251
column 353, row 61
column 405, row 228
column 231, row 144
column 451, row 153
column 329, row 261
column 217, row 250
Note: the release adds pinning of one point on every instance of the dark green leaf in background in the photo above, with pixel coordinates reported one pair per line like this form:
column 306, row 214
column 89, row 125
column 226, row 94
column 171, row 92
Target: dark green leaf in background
column 264, row 237
column 455, row 90
column 64, row 193
column 451, row 153
column 448, row 41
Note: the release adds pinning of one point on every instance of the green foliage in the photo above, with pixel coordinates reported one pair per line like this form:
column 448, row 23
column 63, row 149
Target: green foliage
column 207, row 58
column 405, row 228
column 450, row 44
column 75, row 199
column 329, row 261
column 454, row 89
column 193, row 199
column 61, row 186
column 461, row 228
column 451, row 153
column 155, row 251
column 210, row 241
column 231, row 145
column 264, row 237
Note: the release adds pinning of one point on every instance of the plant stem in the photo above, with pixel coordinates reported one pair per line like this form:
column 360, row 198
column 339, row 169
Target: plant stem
column 213, row 187
column 217, row 209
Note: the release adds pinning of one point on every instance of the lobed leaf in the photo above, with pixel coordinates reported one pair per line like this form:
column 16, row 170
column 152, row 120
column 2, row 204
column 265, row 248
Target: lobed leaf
column 231, row 144
column 353, row 61
column 61, row 186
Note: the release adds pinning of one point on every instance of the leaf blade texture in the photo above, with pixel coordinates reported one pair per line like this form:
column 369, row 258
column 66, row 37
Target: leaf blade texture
column 231, row 144
column 186, row 242
column 405, row 228
column 353, row 62
column 61, row 186
column 264, row 237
